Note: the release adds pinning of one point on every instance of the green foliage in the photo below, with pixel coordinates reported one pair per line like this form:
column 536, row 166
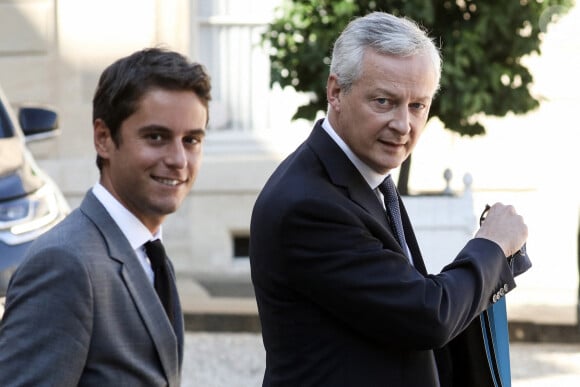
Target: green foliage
column 482, row 43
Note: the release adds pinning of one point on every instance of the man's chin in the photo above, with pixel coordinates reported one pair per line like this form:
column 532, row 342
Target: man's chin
column 170, row 209
column 166, row 207
column 385, row 168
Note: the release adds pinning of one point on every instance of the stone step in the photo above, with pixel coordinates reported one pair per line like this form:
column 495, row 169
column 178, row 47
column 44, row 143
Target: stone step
column 203, row 311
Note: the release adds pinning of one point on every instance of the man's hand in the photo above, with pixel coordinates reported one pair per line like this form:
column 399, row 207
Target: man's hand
column 505, row 227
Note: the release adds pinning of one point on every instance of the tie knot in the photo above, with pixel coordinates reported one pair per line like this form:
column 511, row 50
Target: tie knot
column 389, row 190
column 156, row 252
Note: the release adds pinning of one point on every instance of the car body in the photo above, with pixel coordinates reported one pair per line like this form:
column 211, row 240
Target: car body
column 30, row 202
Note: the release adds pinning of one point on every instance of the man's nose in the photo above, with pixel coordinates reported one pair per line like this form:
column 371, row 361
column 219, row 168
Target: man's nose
column 176, row 155
column 401, row 120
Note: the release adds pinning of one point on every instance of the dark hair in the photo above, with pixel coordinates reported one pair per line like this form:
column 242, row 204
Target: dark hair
column 123, row 84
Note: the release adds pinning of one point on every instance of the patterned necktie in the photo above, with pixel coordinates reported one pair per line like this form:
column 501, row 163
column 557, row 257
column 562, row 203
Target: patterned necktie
column 162, row 282
column 389, row 192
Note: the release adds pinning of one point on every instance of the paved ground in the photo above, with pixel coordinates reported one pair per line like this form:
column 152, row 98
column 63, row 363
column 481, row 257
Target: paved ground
column 237, row 360
column 545, row 348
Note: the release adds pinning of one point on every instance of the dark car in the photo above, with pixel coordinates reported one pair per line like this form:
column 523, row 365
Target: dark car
column 30, row 202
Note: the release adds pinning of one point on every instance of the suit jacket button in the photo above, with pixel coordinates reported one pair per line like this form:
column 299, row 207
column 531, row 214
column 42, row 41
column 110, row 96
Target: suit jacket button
column 506, row 288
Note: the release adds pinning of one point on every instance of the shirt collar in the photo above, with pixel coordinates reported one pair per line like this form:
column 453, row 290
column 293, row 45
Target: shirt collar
column 372, row 178
column 135, row 231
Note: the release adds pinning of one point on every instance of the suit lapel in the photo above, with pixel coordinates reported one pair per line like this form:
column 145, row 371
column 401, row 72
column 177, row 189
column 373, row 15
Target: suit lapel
column 343, row 173
column 155, row 319
column 140, row 289
column 412, row 240
column 178, row 328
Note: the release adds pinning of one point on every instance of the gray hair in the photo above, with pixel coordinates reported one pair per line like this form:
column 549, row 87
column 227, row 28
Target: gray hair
column 384, row 33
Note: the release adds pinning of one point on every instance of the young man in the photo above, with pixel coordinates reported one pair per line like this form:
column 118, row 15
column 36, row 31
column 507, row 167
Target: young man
column 85, row 308
column 342, row 290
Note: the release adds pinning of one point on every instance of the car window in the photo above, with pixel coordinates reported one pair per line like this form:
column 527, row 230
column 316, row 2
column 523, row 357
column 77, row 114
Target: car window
column 6, row 129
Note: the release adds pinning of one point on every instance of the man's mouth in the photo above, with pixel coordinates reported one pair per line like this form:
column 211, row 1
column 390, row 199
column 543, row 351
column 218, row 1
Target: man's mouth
column 392, row 143
column 166, row 181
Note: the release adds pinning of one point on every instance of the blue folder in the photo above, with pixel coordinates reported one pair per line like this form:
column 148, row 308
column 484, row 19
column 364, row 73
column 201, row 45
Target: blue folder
column 494, row 325
column 495, row 334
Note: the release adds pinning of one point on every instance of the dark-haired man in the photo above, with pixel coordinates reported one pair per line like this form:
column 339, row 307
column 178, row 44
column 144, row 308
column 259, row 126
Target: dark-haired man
column 85, row 308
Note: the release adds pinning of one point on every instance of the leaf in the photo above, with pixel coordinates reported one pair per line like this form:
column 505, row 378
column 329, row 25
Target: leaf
column 482, row 44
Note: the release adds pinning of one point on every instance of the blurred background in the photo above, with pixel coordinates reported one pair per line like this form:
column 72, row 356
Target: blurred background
column 52, row 52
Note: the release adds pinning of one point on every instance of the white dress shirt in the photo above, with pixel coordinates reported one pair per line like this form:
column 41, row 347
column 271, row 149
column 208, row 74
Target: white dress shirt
column 135, row 231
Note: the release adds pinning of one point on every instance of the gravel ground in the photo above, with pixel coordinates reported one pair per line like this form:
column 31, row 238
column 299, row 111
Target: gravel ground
column 223, row 360
column 237, row 360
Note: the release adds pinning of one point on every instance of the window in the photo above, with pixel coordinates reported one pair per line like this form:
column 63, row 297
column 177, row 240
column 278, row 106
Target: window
column 241, row 246
column 226, row 38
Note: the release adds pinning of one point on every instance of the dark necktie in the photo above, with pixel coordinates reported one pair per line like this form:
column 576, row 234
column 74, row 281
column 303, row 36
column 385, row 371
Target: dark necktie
column 389, row 192
column 163, row 280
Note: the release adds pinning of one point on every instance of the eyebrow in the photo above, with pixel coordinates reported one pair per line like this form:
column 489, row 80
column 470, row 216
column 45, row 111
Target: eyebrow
column 390, row 94
column 161, row 128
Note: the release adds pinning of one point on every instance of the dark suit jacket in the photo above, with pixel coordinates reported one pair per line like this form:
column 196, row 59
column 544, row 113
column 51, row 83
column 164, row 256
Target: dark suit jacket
column 339, row 302
column 81, row 311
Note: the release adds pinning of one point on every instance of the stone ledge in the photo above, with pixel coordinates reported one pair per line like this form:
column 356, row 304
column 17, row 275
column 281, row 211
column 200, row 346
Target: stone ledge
column 221, row 314
column 237, row 314
column 215, row 322
column 543, row 333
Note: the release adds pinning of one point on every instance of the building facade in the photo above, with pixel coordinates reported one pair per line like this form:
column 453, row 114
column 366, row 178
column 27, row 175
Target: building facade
column 52, row 52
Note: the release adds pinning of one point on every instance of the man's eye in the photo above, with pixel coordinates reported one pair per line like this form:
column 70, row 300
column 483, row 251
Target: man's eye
column 193, row 140
column 155, row 137
column 381, row 101
column 417, row 106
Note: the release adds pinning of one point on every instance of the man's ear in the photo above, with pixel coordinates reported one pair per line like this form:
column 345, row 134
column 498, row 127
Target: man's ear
column 333, row 92
column 102, row 138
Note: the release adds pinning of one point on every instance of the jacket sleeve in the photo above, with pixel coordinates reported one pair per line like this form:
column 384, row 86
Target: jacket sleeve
column 333, row 258
column 46, row 328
